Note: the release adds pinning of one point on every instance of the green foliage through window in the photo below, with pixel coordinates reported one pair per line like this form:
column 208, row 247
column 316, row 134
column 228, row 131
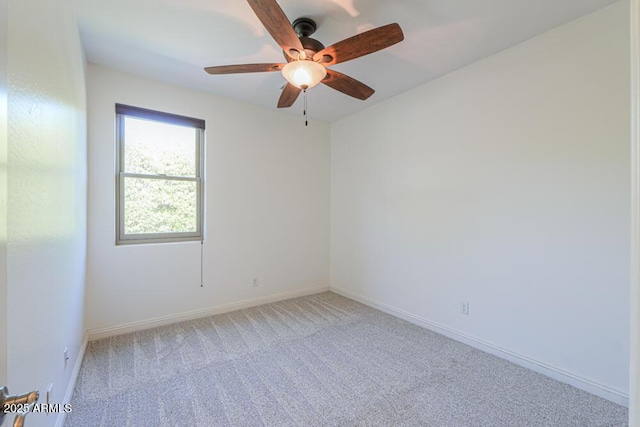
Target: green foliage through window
column 159, row 179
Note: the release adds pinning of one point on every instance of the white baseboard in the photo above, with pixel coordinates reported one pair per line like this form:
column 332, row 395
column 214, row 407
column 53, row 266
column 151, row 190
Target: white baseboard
column 62, row 416
column 589, row 386
column 96, row 334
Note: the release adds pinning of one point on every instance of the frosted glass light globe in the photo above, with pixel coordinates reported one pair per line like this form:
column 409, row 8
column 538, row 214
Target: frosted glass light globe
column 304, row 74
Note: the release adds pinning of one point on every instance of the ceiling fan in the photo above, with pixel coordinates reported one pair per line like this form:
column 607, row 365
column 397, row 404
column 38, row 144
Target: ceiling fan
column 307, row 58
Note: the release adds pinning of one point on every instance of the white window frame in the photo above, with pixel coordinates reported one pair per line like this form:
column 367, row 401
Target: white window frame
column 123, row 111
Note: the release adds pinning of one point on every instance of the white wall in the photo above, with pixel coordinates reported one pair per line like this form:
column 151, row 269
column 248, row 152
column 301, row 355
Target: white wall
column 46, row 212
column 267, row 209
column 634, row 300
column 505, row 185
column 3, row 192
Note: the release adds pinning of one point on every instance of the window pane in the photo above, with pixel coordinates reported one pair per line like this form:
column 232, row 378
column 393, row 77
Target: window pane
column 159, row 206
column 156, row 148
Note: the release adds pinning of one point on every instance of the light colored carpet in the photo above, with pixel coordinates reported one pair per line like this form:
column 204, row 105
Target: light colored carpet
column 321, row 360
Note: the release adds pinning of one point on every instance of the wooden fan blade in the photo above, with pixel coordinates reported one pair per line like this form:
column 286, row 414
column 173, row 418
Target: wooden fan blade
column 243, row 68
column 360, row 45
column 278, row 25
column 347, row 85
column 289, row 95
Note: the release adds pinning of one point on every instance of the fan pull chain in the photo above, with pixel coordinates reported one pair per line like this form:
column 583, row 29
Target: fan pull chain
column 306, row 122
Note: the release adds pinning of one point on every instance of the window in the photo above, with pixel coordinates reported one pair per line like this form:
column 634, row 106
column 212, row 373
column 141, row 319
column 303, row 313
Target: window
column 159, row 188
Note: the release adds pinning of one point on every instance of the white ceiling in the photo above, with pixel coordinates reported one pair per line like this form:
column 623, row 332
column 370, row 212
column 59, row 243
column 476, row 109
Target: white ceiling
column 173, row 40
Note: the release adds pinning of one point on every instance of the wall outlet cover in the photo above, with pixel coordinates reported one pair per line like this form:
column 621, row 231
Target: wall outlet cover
column 464, row 308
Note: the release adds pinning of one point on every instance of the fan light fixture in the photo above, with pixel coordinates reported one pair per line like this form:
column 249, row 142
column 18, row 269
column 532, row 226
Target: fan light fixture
column 303, row 73
column 308, row 60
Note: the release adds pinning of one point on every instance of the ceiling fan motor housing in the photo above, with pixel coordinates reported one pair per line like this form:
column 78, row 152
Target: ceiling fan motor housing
column 311, row 46
column 304, row 27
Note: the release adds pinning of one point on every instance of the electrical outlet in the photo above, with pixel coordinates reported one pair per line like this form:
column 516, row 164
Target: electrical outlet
column 254, row 283
column 464, row 308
